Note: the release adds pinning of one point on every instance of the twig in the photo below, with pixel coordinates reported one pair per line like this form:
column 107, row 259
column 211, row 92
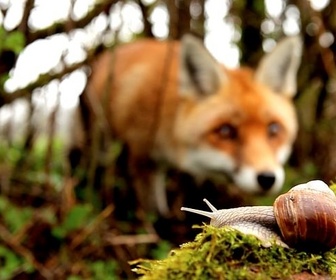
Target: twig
column 145, row 16
column 23, row 26
column 98, row 8
column 91, row 227
column 132, row 240
column 68, row 196
column 10, row 240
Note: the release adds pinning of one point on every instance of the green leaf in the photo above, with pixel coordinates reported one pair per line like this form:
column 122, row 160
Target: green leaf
column 3, row 203
column 11, row 264
column 104, row 270
column 77, row 218
column 15, row 41
column 16, row 218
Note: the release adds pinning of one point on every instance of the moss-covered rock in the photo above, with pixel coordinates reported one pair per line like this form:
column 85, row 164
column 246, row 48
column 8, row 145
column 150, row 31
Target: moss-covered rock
column 223, row 253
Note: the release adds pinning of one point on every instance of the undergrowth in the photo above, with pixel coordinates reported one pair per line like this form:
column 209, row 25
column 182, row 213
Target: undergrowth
column 48, row 232
column 223, row 253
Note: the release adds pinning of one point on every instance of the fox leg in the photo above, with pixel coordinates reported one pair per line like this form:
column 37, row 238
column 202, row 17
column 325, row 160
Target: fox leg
column 160, row 192
column 149, row 183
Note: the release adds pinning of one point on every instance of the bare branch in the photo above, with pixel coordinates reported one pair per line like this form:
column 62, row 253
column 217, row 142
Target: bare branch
column 23, row 26
column 101, row 6
column 7, row 98
column 145, row 16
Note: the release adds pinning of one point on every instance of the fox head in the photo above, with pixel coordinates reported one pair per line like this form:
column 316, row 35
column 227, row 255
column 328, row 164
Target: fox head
column 240, row 123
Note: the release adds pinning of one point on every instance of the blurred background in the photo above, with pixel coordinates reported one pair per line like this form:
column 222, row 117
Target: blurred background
column 59, row 223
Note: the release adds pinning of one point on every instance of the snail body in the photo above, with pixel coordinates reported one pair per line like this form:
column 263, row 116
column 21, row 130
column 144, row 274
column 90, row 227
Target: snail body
column 303, row 217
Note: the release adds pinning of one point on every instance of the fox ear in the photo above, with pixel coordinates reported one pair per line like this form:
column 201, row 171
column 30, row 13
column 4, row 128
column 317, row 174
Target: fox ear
column 278, row 69
column 200, row 74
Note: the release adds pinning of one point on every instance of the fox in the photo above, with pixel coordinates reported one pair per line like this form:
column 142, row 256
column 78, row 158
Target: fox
column 175, row 106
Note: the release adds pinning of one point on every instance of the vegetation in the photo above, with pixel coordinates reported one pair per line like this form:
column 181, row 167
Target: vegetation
column 223, row 253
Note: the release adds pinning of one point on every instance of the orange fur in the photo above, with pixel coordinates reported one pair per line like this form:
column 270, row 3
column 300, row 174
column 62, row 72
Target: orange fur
column 208, row 122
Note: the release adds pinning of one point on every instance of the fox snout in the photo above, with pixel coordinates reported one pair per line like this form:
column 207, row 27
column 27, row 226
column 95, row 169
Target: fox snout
column 266, row 180
column 260, row 182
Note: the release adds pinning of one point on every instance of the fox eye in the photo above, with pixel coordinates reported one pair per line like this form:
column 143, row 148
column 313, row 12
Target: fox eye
column 273, row 129
column 227, row 131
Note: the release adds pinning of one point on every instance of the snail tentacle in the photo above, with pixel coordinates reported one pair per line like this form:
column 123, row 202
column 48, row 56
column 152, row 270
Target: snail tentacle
column 213, row 208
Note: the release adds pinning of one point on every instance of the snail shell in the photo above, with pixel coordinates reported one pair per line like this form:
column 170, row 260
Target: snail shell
column 306, row 215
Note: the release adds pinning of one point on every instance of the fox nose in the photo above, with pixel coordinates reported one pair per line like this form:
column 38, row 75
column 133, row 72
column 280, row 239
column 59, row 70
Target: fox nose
column 266, row 180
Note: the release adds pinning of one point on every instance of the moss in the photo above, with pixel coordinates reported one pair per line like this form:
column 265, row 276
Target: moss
column 333, row 186
column 223, row 253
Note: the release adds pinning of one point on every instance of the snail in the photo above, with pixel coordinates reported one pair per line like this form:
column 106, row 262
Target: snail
column 304, row 217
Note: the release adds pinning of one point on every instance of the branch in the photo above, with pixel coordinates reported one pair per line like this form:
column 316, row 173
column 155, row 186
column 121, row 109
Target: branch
column 7, row 98
column 101, row 6
column 91, row 227
column 145, row 16
column 23, row 26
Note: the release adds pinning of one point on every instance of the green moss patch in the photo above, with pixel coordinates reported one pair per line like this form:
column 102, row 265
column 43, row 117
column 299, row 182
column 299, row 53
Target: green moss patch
column 223, row 253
